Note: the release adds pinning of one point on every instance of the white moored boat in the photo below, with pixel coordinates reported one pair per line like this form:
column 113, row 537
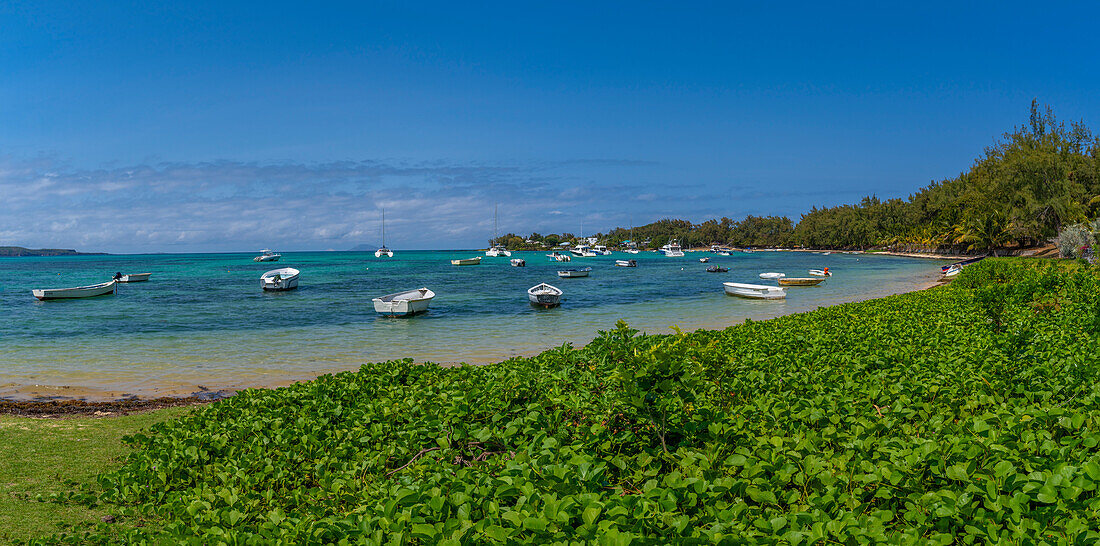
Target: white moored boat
column 772, row 276
column 383, row 251
column 133, row 277
column 518, row 262
column 574, row 273
column 266, row 255
column 467, row 261
column 280, row 279
column 952, row 271
column 672, row 250
column 559, row 257
column 801, row 281
column 821, row 272
column 755, row 291
column 407, row 303
column 89, row 291
column 544, row 295
column 626, row 263
column 582, row 251
column 601, row 250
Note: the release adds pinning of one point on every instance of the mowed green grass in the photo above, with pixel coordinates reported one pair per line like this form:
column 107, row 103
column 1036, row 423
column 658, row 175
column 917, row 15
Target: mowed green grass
column 43, row 457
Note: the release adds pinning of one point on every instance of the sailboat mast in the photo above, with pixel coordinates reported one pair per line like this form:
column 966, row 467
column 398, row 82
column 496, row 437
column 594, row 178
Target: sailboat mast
column 383, row 227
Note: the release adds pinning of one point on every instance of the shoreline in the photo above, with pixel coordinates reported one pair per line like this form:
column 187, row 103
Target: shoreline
column 48, row 402
column 63, row 409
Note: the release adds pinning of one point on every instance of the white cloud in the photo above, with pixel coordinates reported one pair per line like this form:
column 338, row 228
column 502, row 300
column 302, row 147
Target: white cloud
column 226, row 205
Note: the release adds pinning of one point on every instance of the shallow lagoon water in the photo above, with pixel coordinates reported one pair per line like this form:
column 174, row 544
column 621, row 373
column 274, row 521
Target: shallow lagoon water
column 203, row 323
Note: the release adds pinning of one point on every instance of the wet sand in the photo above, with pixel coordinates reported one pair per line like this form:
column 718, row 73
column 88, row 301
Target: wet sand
column 59, row 409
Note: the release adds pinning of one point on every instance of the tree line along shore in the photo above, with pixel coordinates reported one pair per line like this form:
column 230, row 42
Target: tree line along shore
column 1025, row 190
column 963, row 413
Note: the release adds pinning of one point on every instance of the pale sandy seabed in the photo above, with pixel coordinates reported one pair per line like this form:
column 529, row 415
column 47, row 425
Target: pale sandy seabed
column 281, row 378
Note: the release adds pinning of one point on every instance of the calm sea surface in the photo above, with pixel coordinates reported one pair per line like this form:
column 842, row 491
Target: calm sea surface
column 202, row 321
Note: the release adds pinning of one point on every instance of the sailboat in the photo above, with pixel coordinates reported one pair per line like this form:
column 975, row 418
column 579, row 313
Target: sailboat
column 631, row 246
column 496, row 249
column 383, row 251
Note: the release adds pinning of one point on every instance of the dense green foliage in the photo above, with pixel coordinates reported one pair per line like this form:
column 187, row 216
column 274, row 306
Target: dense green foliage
column 1022, row 191
column 958, row 414
column 753, row 231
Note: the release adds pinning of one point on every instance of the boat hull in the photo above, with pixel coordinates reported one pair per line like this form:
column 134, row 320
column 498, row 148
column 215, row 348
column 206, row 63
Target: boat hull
column 801, row 281
column 467, row 261
column 754, row 291
column 573, row 274
column 963, row 263
column 544, row 295
column 404, row 304
column 279, row 280
column 135, row 277
column 91, row 291
column 383, row 252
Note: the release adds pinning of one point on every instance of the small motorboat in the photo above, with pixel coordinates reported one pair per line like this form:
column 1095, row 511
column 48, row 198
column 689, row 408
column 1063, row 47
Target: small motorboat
column 723, row 253
column 582, row 251
column 801, row 281
column 821, row 272
column 716, row 269
column 404, row 304
column 89, row 291
column 755, row 291
column 952, row 271
column 266, row 255
column 559, row 257
column 132, row 277
column 704, row 260
column 519, row 262
column 544, row 295
column 278, row 280
column 772, row 276
column 962, row 264
column 574, row 273
column 467, row 261
column 673, row 250
column 626, row 263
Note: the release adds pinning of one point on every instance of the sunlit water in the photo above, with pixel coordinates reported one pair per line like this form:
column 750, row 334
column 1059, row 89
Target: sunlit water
column 202, row 321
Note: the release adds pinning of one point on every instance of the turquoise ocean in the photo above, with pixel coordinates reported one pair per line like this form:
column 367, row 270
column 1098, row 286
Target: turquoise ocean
column 202, row 323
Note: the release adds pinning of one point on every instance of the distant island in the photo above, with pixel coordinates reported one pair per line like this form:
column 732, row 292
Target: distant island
column 13, row 251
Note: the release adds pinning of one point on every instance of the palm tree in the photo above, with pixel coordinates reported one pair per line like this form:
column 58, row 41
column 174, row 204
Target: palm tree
column 986, row 233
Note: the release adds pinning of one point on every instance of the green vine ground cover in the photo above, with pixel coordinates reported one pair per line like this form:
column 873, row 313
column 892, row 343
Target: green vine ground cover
column 967, row 413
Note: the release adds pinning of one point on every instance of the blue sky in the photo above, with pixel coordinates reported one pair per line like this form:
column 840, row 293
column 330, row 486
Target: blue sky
column 215, row 126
